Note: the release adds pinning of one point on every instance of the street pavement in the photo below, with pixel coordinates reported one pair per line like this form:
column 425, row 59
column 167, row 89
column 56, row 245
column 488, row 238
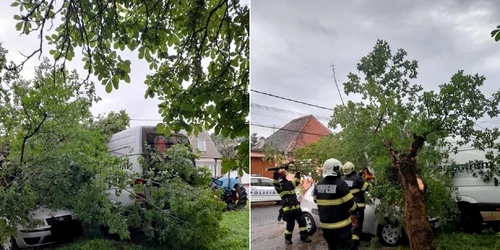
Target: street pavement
column 267, row 232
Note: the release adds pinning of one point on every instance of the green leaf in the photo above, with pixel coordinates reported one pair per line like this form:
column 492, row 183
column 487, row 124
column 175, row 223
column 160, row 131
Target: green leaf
column 161, row 128
column 109, row 87
column 19, row 26
column 115, row 81
column 126, row 77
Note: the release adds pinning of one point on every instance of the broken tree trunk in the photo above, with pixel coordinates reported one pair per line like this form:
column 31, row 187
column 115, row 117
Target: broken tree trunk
column 418, row 229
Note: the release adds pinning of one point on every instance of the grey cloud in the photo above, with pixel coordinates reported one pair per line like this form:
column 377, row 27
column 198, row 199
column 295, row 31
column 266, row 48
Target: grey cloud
column 293, row 43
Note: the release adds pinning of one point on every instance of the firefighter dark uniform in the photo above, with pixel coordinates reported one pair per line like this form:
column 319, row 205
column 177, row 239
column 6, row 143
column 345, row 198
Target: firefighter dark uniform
column 290, row 210
column 357, row 186
column 335, row 202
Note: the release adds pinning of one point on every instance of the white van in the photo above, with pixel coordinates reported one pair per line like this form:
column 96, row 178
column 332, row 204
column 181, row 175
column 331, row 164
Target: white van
column 130, row 143
column 478, row 200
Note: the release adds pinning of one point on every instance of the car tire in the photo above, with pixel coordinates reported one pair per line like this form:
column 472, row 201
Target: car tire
column 388, row 234
column 310, row 225
column 9, row 245
column 470, row 218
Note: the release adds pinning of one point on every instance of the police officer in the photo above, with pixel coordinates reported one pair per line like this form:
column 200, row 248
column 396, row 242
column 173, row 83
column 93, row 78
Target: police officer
column 358, row 187
column 335, row 202
column 290, row 210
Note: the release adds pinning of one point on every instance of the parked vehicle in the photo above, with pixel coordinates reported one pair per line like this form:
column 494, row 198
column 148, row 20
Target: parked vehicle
column 134, row 142
column 53, row 226
column 387, row 232
column 478, row 200
column 262, row 189
column 233, row 193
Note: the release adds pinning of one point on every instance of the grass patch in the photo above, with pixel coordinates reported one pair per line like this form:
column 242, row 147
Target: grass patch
column 100, row 244
column 464, row 241
column 235, row 226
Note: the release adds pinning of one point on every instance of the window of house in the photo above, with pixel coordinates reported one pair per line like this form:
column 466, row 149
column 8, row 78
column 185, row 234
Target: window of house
column 202, row 145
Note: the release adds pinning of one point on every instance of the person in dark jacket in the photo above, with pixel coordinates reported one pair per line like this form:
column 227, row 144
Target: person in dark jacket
column 357, row 186
column 335, row 203
column 290, row 210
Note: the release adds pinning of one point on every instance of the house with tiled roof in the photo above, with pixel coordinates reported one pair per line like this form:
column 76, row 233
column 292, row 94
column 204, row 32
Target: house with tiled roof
column 295, row 134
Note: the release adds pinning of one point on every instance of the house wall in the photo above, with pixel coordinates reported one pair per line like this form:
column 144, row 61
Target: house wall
column 209, row 152
column 259, row 166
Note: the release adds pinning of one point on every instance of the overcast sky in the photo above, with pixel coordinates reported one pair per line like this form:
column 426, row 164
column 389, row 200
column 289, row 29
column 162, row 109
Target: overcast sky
column 129, row 96
column 294, row 42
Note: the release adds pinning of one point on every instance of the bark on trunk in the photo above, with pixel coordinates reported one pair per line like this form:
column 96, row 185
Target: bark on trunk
column 418, row 229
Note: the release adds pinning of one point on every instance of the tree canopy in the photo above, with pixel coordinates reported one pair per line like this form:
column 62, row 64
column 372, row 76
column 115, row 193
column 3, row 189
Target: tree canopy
column 175, row 38
column 54, row 158
column 55, row 155
column 403, row 132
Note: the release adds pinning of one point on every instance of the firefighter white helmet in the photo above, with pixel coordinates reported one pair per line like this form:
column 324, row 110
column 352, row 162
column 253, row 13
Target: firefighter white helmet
column 348, row 168
column 331, row 167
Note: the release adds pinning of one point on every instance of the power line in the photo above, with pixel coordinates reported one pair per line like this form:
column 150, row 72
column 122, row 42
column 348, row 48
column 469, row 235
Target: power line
column 292, row 100
column 285, row 111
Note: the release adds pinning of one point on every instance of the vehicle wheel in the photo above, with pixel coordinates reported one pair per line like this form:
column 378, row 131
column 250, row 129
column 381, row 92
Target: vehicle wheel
column 10, row 245
column 388, row 234
column 470, row 218
column 237, row 199
column 311, row 227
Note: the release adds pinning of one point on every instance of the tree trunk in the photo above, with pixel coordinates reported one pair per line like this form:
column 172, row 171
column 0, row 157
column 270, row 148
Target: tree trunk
column 418, row 228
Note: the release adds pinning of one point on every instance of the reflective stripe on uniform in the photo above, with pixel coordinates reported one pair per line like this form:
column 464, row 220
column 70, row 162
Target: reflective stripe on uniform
column 336, row 225
column 355, row 190
column 355, row 237
column 291, row 208
column 361, row 204
column 276, row 181
column 365, row 186
column 353, row 207
column 283, row 193
column 302, row 229
column 335, row 202
column 287, row 232
column 295, row 181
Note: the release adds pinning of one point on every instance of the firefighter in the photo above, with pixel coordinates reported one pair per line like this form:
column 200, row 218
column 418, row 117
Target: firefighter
column 335, row 202
column 290, row 211
column 357, row 186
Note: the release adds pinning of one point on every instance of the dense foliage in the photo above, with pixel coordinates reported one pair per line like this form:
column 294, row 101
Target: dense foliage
column 175, row 38
column 183, row 211
column 55, row 158
column 58, row 158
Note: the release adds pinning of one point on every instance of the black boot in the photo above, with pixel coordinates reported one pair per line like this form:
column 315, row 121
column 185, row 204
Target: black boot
column 354, row 244
column 288, row 239
column 305, row 238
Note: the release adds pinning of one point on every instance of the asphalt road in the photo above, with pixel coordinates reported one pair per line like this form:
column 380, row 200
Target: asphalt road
column 267, row 232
